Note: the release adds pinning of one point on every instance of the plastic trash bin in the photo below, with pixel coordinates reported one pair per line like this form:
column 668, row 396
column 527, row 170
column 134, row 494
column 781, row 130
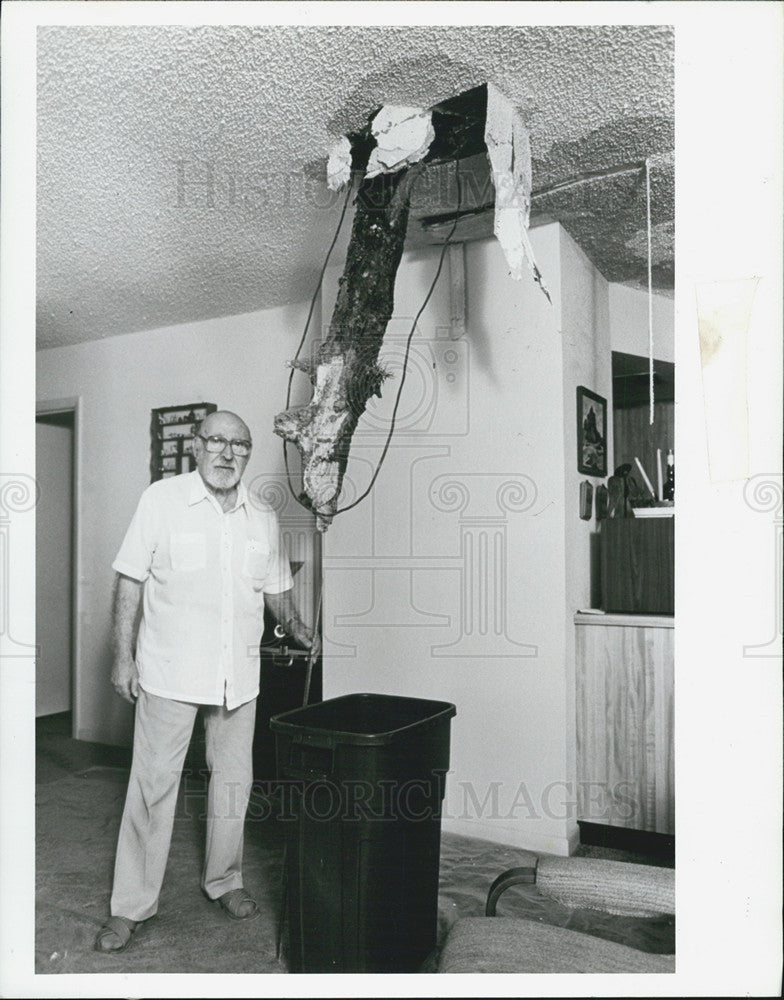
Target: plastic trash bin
column 366, row 773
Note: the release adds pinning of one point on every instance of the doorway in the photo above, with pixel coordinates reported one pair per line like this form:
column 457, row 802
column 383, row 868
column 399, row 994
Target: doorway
column 54, row 537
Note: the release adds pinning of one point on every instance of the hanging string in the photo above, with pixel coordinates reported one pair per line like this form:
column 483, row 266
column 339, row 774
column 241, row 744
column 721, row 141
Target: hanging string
column 650, row 289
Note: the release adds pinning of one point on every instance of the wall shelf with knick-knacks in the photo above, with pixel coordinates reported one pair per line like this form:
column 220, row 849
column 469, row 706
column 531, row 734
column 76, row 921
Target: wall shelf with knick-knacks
column 171, row 435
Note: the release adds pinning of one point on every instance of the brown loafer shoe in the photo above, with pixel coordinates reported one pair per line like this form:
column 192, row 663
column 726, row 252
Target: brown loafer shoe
column 237, row 904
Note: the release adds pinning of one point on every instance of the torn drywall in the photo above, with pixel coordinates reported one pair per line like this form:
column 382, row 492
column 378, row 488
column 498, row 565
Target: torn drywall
column 403, row 136
column 509, row 150
column 395, row 148
column 339, row 164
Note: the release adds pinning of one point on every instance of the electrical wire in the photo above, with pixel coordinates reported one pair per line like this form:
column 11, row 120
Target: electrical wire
column 422, row 308
column 388, row 441
column 311, row 657
column 349, row 188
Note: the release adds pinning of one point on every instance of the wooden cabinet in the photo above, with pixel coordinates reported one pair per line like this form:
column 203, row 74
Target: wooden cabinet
column 638, row 565
column 624, row 701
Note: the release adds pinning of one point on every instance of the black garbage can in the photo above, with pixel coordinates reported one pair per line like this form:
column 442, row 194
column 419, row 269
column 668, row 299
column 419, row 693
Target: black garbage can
column 365, row 774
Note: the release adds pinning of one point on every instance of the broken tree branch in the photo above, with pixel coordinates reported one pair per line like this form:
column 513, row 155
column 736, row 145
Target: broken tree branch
column 346, row 373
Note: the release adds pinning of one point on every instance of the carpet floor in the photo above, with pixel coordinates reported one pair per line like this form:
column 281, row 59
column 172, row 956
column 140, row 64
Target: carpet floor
column 80, row 789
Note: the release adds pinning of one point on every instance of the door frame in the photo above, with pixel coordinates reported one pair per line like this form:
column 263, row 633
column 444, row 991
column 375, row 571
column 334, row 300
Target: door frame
column 48, row 407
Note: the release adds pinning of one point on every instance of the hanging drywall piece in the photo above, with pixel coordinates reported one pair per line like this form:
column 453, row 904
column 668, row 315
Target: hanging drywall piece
column 403, row 136
column 509, row 150
column 339, row 164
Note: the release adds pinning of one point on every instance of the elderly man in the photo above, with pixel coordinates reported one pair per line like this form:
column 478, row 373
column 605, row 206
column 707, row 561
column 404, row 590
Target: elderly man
column 201, row 558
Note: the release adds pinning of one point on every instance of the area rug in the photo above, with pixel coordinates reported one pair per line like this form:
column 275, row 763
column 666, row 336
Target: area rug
column 77, row 821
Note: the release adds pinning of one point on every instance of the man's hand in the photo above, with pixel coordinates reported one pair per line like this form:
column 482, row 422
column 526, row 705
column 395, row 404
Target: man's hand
column 310, row 641
column 125, row 678
column 305, row 637
column 282, row 606
column 315, row 646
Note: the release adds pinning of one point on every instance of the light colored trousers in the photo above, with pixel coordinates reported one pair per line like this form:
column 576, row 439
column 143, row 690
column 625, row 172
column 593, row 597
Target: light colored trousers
column 162, row 732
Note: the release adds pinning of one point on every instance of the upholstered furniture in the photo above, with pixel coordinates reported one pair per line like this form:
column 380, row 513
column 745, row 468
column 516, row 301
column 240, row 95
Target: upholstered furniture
column 504, row 944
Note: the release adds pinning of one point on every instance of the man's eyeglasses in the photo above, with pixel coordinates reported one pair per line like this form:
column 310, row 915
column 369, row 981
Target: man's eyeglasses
column 215, row 443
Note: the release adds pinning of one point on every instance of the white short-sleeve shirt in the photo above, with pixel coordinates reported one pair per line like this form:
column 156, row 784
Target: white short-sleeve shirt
column 205, row 572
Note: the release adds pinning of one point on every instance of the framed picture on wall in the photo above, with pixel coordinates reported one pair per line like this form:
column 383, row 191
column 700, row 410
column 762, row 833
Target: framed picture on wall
column 171, row 432
column 591, row 433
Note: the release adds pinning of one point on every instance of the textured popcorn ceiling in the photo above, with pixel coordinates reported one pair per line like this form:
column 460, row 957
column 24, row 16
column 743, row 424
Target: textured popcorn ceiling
column 181, row 169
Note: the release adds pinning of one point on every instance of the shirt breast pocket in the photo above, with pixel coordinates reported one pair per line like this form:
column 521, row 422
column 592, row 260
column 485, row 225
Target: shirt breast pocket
column 188, row 551
column 256, row 563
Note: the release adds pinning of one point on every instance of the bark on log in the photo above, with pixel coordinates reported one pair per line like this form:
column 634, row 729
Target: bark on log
column 345, row 373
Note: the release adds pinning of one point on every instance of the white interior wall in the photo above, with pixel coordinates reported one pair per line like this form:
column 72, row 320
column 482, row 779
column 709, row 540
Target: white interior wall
column 457, row 578
column 237, row 362
column 449, row 582
column 629, row 322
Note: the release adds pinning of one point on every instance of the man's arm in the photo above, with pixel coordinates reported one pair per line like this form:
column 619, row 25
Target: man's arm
column 127, row 598
column 284, row 609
